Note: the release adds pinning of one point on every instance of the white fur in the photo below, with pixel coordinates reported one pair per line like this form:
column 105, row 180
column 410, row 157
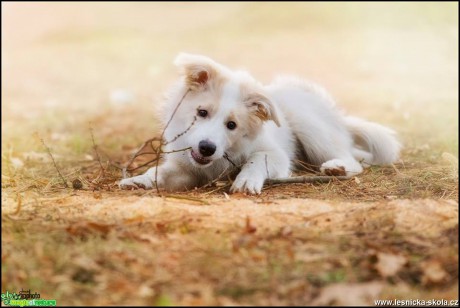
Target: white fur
column 305, row 113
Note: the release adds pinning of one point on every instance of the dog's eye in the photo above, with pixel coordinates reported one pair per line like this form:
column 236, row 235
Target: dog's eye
column 231, row 125
column 202, row 113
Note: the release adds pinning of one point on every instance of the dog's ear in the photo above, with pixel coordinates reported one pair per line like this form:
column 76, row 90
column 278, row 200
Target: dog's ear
column 198, row 70
column 263, row 108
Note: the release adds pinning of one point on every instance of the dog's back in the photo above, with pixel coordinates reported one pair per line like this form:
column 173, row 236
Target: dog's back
column 323, row 130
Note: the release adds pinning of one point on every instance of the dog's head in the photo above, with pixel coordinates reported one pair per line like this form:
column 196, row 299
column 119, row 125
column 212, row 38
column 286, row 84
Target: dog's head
column 220, row 110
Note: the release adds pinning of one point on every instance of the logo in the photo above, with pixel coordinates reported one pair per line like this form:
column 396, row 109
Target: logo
column 25, row 298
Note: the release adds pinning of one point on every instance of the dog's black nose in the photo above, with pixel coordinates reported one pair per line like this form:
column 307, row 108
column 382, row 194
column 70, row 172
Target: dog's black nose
column 206, row 148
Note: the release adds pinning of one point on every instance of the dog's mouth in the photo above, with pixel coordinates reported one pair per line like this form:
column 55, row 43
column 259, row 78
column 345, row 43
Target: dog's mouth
column 200, row 159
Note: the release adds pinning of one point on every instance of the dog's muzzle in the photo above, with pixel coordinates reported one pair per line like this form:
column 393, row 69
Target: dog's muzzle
column 200, row 159
column 206, row 149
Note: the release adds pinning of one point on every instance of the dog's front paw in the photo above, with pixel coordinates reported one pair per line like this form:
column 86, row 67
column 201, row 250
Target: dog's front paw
column 140, row 181
column 248, row 183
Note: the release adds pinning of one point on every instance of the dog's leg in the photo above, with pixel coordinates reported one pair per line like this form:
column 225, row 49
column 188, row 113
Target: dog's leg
column 145, row 181
column 333, row 152
column 259, row 167
column 364, row 157
column 169, row 176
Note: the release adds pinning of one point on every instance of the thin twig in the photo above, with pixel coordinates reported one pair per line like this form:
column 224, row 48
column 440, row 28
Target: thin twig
column 218, row 178
column 95, row 150
column 181, row 134
column 115, row 165
column 396, row 169
column 180, row 197
column 307, row 179
column 156, row 158
column 162, row 136
column 175, row 151
column 145, row 153
column 225, row 173
column 18, row 208
column 174, row 112
column 144, row 164
column 228, row 158
column 137, row 153
column 306, row 166
column 169, row 152
column 217, row 189
column 54, row 162
column 156, row 170
column 158, row 151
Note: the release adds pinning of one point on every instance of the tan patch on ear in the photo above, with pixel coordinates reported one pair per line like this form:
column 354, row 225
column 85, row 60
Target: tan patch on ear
column 265, row 114
column 260, row 106
column 197, row 77
column 261, row 112
column 200, row 78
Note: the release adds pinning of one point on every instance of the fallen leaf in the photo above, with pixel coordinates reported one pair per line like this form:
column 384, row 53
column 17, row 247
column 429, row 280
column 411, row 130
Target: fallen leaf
column 390, row 197
column 135, row 219
column 83, row 229
column 162, row 227
column 352, row 294
column 102, row 228
column 145, row 291
column 85, row 262
column 389, row 264
column 249, row 228
column 285, row 231
column 97, row 195
column 149, row 238
column 239, row 195
column 433, row 272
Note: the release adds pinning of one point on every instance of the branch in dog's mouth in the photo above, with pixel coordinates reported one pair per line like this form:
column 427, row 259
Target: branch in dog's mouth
column 157, row 151
column 172, row 115
column 181, row 134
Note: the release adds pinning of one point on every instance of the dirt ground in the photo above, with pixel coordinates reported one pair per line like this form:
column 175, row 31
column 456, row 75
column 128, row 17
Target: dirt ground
column 74, row 72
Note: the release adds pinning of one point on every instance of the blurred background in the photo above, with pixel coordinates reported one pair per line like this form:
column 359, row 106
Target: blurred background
column 65, row 65
column 75, row 67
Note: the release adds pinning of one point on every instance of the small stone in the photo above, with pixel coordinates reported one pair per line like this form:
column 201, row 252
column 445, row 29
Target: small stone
column 77, row 184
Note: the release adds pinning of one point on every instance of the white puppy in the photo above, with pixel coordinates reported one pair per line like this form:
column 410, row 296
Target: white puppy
column 229, row 122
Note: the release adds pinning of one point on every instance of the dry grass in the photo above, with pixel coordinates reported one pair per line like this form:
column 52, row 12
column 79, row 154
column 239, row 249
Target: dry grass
column 390, row 233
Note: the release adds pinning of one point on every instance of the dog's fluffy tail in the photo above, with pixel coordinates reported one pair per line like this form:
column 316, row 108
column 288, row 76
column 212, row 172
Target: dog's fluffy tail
column 374, row 144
